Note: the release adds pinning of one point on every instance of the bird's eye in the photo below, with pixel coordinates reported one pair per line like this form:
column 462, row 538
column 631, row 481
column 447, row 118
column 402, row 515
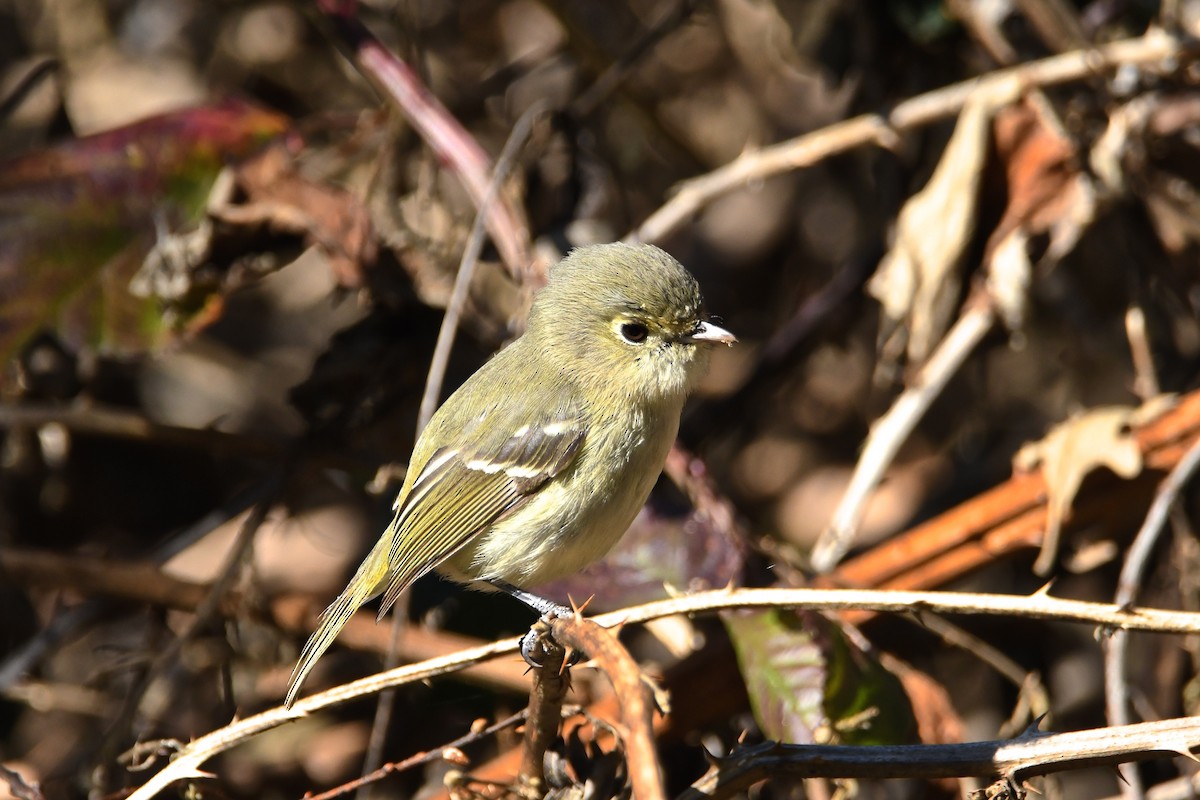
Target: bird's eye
column 634, row 332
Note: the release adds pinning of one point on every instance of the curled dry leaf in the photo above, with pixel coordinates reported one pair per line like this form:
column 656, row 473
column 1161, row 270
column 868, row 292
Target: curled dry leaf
column 918, row 281
column 1048, row 195
column 1101, row 437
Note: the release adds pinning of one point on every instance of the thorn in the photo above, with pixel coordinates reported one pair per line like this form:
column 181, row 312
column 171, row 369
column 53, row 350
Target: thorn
column 1044, row 591
column 1182, row 750
column 579, row 609
column 1034, row 727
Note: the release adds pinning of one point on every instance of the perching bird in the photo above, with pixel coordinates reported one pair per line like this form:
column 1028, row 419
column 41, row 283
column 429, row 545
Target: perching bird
column 537, row 465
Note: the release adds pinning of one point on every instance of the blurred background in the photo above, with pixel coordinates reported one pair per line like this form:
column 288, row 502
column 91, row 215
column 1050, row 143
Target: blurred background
column 224, row 258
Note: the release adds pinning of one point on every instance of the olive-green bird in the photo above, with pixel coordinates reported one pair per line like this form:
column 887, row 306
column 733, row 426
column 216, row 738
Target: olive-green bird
column 536, row 466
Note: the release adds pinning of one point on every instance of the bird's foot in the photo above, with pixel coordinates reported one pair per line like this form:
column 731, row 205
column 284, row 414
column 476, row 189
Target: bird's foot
column 540, row 649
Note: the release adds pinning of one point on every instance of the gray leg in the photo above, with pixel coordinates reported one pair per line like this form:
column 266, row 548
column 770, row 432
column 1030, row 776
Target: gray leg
column 547, row 608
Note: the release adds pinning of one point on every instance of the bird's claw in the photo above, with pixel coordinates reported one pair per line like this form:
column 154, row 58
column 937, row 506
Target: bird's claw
column 536, row 639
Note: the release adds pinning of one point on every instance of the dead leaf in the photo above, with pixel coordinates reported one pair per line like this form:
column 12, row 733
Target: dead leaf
column 1048, row 195
column 918, row 281
column 1100, row 437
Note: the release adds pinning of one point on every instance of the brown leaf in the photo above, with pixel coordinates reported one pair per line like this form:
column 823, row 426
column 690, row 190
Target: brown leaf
column 918, row 280
column 1101, row 437
column 1047, row 195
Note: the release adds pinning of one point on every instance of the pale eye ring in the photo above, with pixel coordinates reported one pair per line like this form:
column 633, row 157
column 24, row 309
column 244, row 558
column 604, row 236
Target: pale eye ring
column 633, row 332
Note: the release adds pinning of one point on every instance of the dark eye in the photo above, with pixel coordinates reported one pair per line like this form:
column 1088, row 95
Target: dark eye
column 634, row 332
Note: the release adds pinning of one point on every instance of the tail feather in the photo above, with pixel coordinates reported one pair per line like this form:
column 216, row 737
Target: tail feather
column 365, row 584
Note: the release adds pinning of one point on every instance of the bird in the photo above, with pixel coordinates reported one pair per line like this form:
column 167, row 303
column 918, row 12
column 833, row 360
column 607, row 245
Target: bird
column 538, row 463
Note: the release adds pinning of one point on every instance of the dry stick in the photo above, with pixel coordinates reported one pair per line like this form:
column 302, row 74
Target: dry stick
column 882, row 129
column 445, row 751
column 205, row 612
column 453, row 145
column 145, row 583
column 890, row 431
column 1007, row 517
column 186, row 765
column 1032, row 693
column 437, row 374
column 1146, row 378
column 99, row 421
column 1116, row 690
column 633, row 692
column 550, row 685
column 466, row 267
column 1031, row 754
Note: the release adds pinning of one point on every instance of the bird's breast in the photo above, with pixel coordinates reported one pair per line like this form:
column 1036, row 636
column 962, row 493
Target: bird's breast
column 576, row 518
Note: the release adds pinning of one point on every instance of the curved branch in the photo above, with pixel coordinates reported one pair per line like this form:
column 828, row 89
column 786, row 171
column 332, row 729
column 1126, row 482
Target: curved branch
column 883, row 129
column 1031, row 754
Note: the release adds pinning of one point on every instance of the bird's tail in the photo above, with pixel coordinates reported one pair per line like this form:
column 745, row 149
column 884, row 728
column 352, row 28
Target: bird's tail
column 366, row 583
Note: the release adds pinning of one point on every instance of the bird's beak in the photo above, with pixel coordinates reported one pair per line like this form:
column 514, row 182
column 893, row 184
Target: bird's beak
column 707, row 332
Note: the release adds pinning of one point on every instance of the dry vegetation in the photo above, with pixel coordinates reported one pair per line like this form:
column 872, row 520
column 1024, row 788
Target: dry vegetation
column 958, row 241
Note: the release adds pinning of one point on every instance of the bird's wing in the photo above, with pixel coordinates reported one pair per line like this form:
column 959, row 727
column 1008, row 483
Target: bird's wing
column 460, row 492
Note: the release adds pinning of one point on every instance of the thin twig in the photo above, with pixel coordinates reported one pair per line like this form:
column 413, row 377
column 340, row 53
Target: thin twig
column 892, row 429
column 1031, row 754
column 633, row 693
column 1116, row 691
column 1145, row 382
column 437, row 374
column 120, row 424
column 418, row 759
column 1033, row 696
column 466, row 267
column 1038, row 606
column 883, row 129
column 551, row 682
column 208, row 610
column 451, row 142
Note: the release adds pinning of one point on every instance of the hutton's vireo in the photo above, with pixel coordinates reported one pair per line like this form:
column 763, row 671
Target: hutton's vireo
column 540, row 461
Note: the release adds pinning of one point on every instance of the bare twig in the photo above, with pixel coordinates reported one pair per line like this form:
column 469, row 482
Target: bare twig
column 633, row 694
column 883, row 129
column 550, row 685
column 1116, row 692
column 451, row 142
column 206, row 611
column 466, row 267
column 892, row 429
column 116, row 423
column 418, row 759
column 1145, row 382
column 1034, row 702
column 1037, row 606
column 1031, row 754
column 437, row 374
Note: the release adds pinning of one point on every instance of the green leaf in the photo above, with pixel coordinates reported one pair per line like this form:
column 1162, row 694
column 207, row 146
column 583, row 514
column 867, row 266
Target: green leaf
column 77, row 219
column 808, row 682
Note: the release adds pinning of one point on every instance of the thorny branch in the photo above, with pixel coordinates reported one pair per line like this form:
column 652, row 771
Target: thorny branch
column 884, row 130
column 1038, row 606
column 1033, row 753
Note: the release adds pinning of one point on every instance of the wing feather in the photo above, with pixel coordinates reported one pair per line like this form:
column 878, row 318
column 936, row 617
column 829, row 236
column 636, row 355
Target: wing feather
column 466, row 491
